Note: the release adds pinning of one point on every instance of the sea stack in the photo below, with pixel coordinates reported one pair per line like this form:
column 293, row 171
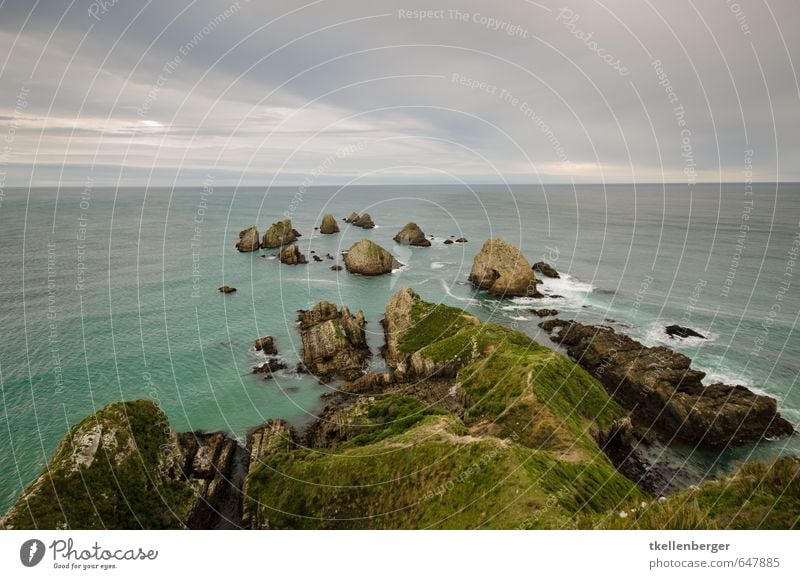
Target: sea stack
column 411, row 234
column 291, row 255
column 328, row 225
column 501, row 269
column 368, row 258
column 352, row 219
column 364, row 222
column 546, row 269
column 248, row 240
column 280, row 233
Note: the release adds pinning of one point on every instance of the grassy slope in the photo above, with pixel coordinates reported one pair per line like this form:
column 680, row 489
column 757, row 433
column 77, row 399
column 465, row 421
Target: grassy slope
column 124, row 494
column 535, row 465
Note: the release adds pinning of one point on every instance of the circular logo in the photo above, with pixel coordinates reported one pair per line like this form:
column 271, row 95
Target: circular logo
column 31, row 553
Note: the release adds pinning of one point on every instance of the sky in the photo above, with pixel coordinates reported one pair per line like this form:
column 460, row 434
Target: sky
column 178, row 92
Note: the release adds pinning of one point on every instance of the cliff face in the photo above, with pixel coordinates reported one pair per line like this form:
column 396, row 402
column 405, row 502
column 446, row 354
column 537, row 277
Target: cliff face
column 502, row 270
column 125, row 468
column 334, row 342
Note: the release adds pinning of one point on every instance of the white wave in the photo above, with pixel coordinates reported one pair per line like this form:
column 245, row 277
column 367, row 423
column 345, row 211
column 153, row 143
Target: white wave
column 439, row 264
column 459, row 298
column 272, row 257
column 656, row 334
column 566, row 284
column 519, row 318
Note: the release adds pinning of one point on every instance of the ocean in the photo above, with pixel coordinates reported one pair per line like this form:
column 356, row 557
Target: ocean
column 111, row 294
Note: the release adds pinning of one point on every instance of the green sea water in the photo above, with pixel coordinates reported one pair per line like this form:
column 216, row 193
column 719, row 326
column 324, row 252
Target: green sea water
column 110, row 294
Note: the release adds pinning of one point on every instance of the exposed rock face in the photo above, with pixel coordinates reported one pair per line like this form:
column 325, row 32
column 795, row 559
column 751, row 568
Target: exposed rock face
column 291, row 256
column 248, row 240
column 461, row 240
column 273, row 364
column 226, row 289
column 664, row 393
column 501, row 269
column 352, row 219
column 365, row 222
column 411, row 234
column 328, row 225
column 334, row 342
column 272, row 437
column 448, row 242
column 368, row 258
column 546, row 269
column 279, row 233
column 682, row 332
column 266, row 345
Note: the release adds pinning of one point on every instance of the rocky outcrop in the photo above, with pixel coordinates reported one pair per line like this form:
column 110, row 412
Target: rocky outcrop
column 226, row 289
column 545, row 312
column 126, row 450
column 368, row 258
column 336, row 268
column 546, row 269
column 279, row 233
column 674, row 331
column 352, row 219
column 266, row 344
column 328, row 225
column 461, row 240
column 334, row 342
column 248, row 240
column 448, row 242
column 664, row 393
column 270, row 366
column 411, row 234
column 364, row 221
column 291, row 255
column 501, row 269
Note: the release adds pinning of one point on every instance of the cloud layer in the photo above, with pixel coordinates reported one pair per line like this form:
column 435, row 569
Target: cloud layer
column 134, row 91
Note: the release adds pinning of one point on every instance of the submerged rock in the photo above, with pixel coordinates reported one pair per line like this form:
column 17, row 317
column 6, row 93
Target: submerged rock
column 334, row 342
column 365, row 221
column 545, row 312
column 248, row 240
column 280, row 233
column 682, row 332
column 226, row 289
column 448, row 242
column 461, row 240
column 291, row 256
column 368, row 258
column 336, row 268
column 546, row 269
column 411, row 234
column 664, row 393
column 501, row 269
column 328, row 225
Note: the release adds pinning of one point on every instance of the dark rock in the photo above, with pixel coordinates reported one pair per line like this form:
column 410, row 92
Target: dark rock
column 291, row 256
column 364, row 221
column 334, row 342
column 461, row 240
column 336, row 268
column 544, row 312
column 270, row 366
column 266, row 345
column 448, row 241
column 411, row 234
column 662, row 391
column 329, row 256
column 248, row 240
column 226, row 289
column 317, row 258
column 352, row 219
column 546, row 269
column 682, row 332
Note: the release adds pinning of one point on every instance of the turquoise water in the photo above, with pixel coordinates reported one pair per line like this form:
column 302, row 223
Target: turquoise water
column 132, row 311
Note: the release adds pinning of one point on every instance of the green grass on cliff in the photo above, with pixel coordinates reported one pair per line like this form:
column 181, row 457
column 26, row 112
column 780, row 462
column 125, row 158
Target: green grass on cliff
column 433, row 475
column 124, row 493
column 758, row 495
column 432, row 323
column 391, row 416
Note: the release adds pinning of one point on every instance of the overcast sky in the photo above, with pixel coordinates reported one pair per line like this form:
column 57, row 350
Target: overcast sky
column 337, row 90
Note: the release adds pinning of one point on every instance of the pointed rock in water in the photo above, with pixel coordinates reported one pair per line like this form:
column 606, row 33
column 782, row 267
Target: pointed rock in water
column 546, row 269
column 461, row 240
column 334, row 342
column 682, row 332
column 411, row 234
column 501, row 269
column 448, row 242
column 352, row 219
column 368, row 258
column 291, row 256
column 317, row 258
column 336, row 268
column 226, row 289
column 248, row 240
column 280, row 233
column 364, row 222
column 328, row 225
